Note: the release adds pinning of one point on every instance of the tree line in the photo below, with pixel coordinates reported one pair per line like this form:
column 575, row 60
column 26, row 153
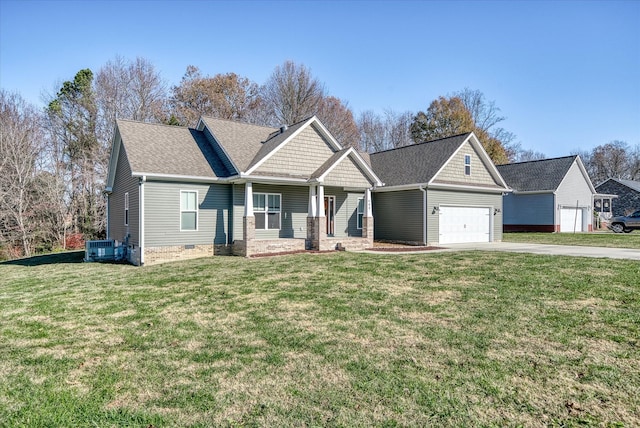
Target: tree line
column 53, row 161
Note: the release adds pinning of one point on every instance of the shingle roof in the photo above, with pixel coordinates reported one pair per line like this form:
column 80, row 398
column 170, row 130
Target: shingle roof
column 416, row 163
column 241, row 141
column 538, row 175
column 173, row 150
column 634, row 185
column 328, row 163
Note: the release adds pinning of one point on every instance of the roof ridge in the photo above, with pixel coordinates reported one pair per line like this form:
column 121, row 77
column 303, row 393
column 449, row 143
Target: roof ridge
column 239, row 122
column 539, row 160
column 422, row 142
column 155, row 123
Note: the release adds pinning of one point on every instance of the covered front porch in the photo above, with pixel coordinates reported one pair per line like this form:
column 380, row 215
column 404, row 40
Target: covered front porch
column 272, row 218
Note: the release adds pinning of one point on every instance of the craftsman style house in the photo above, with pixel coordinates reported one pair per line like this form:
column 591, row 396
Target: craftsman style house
column 234, row 188
column 227, row 187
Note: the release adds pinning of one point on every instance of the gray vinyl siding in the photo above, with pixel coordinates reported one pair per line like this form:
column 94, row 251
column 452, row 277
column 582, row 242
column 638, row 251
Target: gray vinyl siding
column 536, row 209
column 162, row 214
column 346, row 221
column 435, row 198
column 294, row 206
column 123, row 183
column 397, row 216
column 216, row 147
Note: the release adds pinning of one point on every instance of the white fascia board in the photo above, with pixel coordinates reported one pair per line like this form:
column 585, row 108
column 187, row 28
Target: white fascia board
column 585, row 174
column 358, row 159
column 281, row 145
column 397, row 188
column 150, row 176
column 468, row 188
column 113, row 157
column 325, row 132
column 243, row 178
column 533, row 192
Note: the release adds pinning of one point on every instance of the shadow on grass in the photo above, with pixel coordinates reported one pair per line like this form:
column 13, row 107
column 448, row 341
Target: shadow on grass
column 49, row 259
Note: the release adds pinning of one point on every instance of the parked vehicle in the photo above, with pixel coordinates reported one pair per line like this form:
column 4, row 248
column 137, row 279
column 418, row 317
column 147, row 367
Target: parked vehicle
column 625, row 223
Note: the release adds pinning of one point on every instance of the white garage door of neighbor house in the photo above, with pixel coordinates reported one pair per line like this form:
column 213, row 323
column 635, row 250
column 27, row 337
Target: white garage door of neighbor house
column 465, row 224
column 571, row 220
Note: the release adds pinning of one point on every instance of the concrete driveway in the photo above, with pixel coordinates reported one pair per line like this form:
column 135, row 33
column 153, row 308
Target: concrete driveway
column 561, row 250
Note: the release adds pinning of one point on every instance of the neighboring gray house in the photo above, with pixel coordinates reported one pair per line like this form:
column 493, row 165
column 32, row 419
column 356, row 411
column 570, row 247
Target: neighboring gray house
column 627, row 192
column 549, row 195
column 234, row 188
column 438, row 192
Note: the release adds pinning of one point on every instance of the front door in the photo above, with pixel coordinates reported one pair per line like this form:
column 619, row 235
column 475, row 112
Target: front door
column 330, row 213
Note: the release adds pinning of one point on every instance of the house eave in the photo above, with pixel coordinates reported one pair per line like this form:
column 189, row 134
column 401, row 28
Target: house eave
column 150, row 176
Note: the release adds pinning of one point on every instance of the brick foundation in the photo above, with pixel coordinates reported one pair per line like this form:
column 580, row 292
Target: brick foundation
column 155, row 255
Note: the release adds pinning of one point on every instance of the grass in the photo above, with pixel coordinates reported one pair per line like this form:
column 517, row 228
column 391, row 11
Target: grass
column 340, row 339
column 594, row 239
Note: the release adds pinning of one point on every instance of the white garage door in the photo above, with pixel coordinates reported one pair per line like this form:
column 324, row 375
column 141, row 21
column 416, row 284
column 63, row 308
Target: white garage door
column 464, row 224
column 571, row 220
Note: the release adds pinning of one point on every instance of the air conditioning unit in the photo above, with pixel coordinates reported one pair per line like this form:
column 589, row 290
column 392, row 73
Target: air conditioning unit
column 98, row 251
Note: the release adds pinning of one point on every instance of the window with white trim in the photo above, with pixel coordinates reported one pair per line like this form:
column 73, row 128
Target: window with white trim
column 266, row 210
column 126, row 209
column 188, row 210
column 467, row 164
column 360, row 212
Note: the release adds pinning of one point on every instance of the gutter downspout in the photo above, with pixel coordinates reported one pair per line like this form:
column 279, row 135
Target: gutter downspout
column 141, row 221
column 424, row 214
column 556, row 212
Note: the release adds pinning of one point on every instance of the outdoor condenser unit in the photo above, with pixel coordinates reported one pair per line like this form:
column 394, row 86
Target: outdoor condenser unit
column 97, row 251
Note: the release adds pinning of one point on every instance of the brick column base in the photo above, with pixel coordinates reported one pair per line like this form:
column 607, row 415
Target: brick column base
column 249, row 233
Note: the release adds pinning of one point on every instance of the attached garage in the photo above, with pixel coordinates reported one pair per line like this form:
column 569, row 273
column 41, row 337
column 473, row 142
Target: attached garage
column 464, row 224
column 571, row 219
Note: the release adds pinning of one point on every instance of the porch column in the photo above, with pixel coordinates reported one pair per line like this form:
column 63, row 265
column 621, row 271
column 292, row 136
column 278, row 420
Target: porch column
column 248, row 221
column 313, row 201
column 367, row 218
column 248, row 199
column 321, row 201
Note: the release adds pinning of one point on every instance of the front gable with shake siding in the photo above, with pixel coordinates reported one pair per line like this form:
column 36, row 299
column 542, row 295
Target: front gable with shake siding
column 227, row 187
column 438, row 192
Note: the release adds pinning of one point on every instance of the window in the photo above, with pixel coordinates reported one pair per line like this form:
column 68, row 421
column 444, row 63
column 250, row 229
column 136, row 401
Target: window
column 266, row 209
column 467, row 164
column 126, row 209
column 188, row 210
column 360, row 212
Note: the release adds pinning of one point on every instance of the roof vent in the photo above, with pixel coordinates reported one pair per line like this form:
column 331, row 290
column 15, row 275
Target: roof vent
column 283, row 128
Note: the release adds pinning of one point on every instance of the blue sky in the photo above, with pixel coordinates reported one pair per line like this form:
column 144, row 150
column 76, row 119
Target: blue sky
column 566, row 74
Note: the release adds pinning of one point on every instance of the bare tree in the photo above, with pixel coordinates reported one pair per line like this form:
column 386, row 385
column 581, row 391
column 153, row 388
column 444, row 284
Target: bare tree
column 129, row 90
column 372, row 132
column 338, row 118
column 292, row 94
column 20, row 144
column 384, row 132
column 226, row 96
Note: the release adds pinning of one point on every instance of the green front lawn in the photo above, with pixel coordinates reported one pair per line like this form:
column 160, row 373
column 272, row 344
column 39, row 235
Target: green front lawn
column 593, row 239
column 340, row 339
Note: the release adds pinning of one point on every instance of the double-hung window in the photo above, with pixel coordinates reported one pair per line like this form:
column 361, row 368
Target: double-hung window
column 188, row 210
column 266, row 210
column 126, row 209
column 360, row 212
column 467, row 164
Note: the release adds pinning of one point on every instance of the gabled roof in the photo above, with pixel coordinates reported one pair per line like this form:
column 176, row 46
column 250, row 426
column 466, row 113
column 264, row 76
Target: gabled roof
column 416, row 163
column 634, row 185
column 538, row 175
column 154, row 149
column 240, row 141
